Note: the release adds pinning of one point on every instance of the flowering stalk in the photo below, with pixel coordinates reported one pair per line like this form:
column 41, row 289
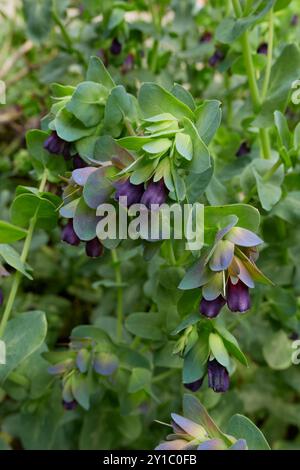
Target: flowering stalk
column 23, row 258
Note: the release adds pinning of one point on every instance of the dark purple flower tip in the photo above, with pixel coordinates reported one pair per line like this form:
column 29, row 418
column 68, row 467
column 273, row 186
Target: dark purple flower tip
column 68, row 234
column 94, row 248
column 263, row 48
column 243, row 150
column 127, row 64
column 218, row 377
column 212, row 308
column 116, row 47
column 206, row 37
column 216, row 58
column 1, row 297
column 133, row 192
column 238, row 297
column 69, row 405
column 294, row 20
column 294, row 336
column 103, row 56
column 54, row 144
column 194, row 386
column 156, row 193
column 78, row 162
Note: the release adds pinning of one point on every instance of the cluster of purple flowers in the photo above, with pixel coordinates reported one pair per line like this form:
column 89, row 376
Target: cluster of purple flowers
column 93, row 248
column 155, row 192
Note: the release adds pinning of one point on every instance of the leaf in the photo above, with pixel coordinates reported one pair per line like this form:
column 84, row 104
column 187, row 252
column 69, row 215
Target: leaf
column 285, row 70
column 219, row 350
column 201, row 159
column 145, row 325
column 194, row 410
column 195, row 362
column 117, row 107
column 242, row 428
column 35, row 140
column 248, row 216
column 183, row 95
column 184, row 145
column 23, row 335
column 157, row 146
column 284, row 134
column 196, row 276
column 80, row 390
column 187, row 321
column 10, row 233
column 231, row 345
column 69, row 128
column 98, row 73
column 289, row 208
column 268, row 193
column 231, row 29
column 27, row 206
column 208, row 119
column 12, row 258
column 277, row 351
column 140, row 379
column 85, row 221
column 38, row 17
column 97, row 188
column 87, row 103
column 196, row 184
column 154, row 99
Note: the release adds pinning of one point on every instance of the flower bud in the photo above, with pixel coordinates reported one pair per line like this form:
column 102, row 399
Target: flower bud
column 68, row 234
column 238, row 297
column 54, row 144
column 133, row 192
column 263, row 48
column 218, row 377
column 94, row 248
column 194, row 386
column 243, row 150
column 116, row 47
column 156, row 193
column 212, row 308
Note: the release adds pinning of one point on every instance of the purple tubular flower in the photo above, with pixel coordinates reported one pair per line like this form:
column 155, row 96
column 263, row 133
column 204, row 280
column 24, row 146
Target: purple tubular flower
column 243, row 150
column 216, row 58
column 156, row 193
column 194, row 386
column 263, row 48
column 1, row 297
column 238, row 297
column 94, row 248
column 78, row 162
column 133, row 192
column 212, row 308
column 54, row 144
column 218, row 377
column 68, row 234
column 69, row 405
column 116, row 47
column 294, row 20
column 206, row 37
column 127, row 64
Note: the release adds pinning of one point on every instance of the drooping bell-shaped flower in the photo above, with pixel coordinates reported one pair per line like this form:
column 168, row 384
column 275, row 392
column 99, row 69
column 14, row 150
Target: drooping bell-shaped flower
column 212, row 308
column 263, row 48
column 127, row 64
column 69, row 405
column 156, row 193
column 94, row 248
column 218, row 377
column 244, row 149
column 238, row 297
column 68, row 234
column 54, row 144
column 133, row 192
column 78, row 162
column 194, row 386
column 206, row 37
column 216, row 58
column 116, row 47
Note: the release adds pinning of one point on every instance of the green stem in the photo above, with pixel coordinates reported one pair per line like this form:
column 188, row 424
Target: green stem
column 265, row 178
column 118, row 277
column 67, row 39
column 269, row 56
column 23, row 258
column 254, row 91
column 128, row 126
